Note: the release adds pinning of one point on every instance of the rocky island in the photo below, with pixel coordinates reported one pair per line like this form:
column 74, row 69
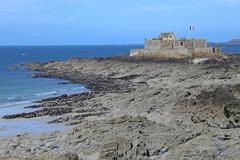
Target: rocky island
column 137, row 108
column 234, row 42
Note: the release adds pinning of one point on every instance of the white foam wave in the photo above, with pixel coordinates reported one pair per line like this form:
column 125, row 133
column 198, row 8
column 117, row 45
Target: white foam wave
column 18, row 97
column 14, row 104
column 11, row 98
column 45, row 93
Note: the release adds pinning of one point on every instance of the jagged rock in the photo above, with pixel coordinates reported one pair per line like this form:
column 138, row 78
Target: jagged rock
column 42, row 112
column 115, row 150
column 68, row 155
column 218, row 97
column 232, row 111
column 143, row 109
column 213, row 108
column 123, row 149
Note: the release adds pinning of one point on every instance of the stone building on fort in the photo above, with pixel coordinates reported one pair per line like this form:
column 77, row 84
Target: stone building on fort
column 167, row 46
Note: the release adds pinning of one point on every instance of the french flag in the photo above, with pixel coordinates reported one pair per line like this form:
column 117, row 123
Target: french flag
column 192, row 28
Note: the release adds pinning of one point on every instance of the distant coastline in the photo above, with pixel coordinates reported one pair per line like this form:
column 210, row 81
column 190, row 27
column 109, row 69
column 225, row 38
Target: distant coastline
column 232, row 42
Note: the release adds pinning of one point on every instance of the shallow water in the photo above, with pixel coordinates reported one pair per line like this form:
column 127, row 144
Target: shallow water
column 34, row 126
column 16, row 85
column 18, row 89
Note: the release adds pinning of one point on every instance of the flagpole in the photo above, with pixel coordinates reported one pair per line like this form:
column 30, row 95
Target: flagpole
column 193, row 30
column 189, row 32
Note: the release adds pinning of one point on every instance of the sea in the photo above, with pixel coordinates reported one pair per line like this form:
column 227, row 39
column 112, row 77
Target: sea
column 18, row 89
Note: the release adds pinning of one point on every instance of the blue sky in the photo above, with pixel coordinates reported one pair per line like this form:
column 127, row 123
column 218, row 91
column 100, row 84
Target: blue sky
column 80, row 22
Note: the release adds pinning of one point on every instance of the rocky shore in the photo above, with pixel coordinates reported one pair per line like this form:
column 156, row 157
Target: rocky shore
column 137, row 109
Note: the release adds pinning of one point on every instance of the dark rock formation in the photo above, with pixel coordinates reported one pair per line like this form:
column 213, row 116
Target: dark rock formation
column 68, row 155
column 138, row 109
column 42, row 112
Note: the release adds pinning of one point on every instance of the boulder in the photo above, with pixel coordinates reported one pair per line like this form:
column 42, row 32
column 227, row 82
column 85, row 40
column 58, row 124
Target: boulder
column 123, row 149
column 68, row 155
column 116, row 149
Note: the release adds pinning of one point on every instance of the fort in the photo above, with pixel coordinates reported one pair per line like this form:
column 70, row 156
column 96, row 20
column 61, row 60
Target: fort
column 167, row 46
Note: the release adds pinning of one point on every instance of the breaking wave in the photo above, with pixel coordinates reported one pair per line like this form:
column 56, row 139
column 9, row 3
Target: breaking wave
column 45, row 93
column 3, row 105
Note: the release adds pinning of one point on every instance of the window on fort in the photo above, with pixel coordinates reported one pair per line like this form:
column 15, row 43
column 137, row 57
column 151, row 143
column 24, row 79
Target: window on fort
column 181, row 43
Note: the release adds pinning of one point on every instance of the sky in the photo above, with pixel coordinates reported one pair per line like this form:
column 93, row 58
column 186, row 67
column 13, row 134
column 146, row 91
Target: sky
column 90, row 22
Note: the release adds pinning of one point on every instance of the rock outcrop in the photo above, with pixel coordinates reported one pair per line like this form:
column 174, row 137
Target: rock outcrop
column 137, row 109
column 68, row 155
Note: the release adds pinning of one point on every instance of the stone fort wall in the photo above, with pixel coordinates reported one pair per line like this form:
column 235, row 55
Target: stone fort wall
column 182, row 43
column 182, row 48
column 174, row 53
column 162, row 53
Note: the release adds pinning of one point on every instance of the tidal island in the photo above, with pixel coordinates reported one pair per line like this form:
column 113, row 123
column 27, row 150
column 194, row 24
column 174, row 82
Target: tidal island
column 140, row 107
column 168, row 46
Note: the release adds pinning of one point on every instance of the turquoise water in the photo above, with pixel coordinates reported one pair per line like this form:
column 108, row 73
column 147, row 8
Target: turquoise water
column 18, row 89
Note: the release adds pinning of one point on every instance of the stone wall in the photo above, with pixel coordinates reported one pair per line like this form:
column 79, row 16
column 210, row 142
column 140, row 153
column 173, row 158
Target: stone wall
column 179, row 44
column 196, row 43
column 204, row 53
column 182, row 48
column 182, row 43
column 153, row 44
column 162, row 53
column 175, row 53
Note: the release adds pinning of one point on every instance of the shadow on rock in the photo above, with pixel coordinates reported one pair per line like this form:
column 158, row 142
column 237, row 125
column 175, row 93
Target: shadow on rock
column 218, row 108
